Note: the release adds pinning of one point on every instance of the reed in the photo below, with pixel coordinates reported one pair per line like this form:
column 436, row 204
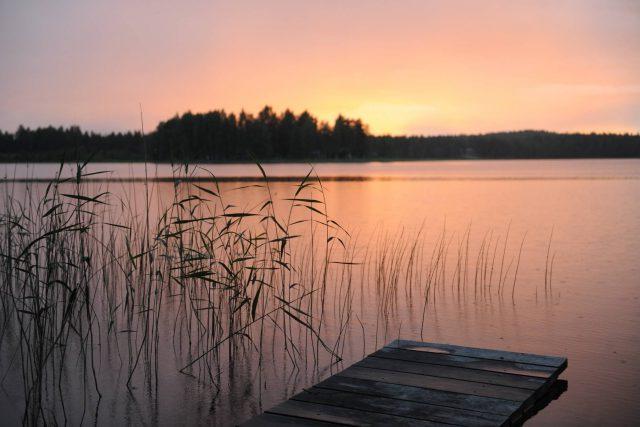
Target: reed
column 80, row 269
column 188, row 271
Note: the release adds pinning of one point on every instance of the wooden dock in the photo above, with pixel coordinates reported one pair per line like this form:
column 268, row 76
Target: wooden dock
column 409, row 383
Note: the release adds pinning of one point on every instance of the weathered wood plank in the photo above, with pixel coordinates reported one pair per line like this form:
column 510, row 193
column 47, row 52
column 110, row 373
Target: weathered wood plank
column 504, row 366
column 404, row 408
column 437, row 383
column 345, row 416
column 423, row 395
column 488, row 377
column 480, row 353
column 273, row 420
column 410, row 383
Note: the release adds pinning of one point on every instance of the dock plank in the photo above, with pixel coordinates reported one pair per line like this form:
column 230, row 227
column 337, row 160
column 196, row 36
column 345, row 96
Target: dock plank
column 480, row 353
column 423, row 395
column 409, row 383
column 475, row 375
column 503, row 366
column 273, row 420
column 345, row 416
column 437, row 383
column 404, row 408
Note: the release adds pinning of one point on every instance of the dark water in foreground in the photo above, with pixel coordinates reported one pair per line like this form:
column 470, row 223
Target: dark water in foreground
column 590, row 313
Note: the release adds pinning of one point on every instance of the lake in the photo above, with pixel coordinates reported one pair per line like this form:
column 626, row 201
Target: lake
column 537, row 256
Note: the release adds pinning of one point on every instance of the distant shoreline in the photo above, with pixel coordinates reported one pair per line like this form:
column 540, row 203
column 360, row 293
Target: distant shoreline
column 310, row 161
column 221, row 137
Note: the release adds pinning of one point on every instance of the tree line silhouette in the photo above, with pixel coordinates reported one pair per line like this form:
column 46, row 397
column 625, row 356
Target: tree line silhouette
column 218, row 136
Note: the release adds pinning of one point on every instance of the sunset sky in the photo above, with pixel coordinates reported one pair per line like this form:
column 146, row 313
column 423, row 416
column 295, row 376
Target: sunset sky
column 403, row 66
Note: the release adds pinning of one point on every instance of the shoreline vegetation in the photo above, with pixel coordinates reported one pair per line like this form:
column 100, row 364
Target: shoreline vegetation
column 221, row 137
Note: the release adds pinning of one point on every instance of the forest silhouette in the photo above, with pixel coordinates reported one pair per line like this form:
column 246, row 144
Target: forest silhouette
column 218, row 136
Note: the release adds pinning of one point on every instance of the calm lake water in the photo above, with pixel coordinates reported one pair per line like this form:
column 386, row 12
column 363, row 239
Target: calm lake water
column 589, row 311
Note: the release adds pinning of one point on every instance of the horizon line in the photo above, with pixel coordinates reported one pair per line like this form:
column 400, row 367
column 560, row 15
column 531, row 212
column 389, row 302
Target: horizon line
column 379, row 135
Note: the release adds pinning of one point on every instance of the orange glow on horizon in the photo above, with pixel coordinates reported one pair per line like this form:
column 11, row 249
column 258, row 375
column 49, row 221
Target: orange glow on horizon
column 414, row 67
